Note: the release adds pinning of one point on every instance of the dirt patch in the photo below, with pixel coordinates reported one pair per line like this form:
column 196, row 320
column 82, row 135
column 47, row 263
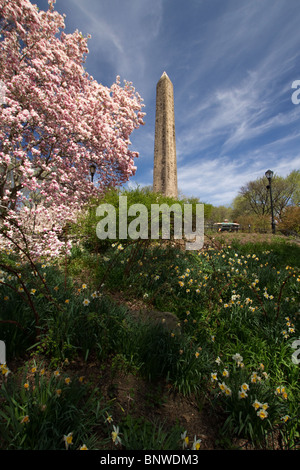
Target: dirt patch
column 131, row 395
column 157, row 403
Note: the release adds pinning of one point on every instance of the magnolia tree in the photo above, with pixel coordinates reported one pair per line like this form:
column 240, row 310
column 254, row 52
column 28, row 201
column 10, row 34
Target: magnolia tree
column 55, row 121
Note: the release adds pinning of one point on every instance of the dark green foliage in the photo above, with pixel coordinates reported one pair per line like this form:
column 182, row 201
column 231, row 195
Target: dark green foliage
column 240, row 299
column 39, row 416
column 138, row 434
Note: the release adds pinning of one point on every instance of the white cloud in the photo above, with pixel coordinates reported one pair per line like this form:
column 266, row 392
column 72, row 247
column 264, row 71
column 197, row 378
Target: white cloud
column 218, row 181
column 121, row 32
column 232, row 65
column 213, row 181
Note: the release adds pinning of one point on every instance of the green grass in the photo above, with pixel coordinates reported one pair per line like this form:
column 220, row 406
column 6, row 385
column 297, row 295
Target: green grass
column 37, row 411
column 242, row 299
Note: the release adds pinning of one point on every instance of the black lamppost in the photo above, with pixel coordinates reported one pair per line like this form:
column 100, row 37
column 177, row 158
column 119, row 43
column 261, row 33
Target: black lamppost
column 269, row 175
column 92, row 171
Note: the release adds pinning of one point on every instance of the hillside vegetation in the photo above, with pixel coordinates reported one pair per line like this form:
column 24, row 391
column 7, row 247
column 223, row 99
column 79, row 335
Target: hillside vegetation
column 147, row 346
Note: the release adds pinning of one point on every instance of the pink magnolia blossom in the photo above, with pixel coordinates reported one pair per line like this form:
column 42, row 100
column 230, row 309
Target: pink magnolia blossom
column 55, row 122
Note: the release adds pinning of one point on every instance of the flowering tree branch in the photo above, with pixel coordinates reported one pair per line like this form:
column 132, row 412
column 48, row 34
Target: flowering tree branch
column 57, row 120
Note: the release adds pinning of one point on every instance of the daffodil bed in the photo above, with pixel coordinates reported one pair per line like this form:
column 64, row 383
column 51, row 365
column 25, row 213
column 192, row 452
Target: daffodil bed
column 91, row 365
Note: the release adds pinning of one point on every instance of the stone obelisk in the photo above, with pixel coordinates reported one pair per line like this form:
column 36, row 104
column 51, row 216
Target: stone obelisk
column 165, row 164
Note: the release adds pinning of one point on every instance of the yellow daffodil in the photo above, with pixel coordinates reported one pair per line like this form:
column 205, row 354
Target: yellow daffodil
column 115, row 435
column 256, row 405
column 25, row 419
column 4, row 369
column 109, row 418
column 68, row 440
column 196, row 444
column 262, row 413
column 185, row 440
column 245, row 387
column 222, row 386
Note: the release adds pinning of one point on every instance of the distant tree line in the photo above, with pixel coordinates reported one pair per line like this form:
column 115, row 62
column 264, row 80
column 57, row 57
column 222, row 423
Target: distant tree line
column 251, row 208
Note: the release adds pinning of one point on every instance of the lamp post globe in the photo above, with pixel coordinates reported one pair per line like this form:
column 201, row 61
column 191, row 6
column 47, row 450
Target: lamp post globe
column 92, row 171
column 269, row 174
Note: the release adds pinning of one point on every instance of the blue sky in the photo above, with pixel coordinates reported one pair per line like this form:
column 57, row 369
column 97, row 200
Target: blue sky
column 232, row 64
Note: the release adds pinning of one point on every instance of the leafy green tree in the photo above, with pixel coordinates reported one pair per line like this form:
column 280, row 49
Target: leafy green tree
column 290, row 221
column 254, row 197
column 143, row 223
column 294, row 180
column 220, row 213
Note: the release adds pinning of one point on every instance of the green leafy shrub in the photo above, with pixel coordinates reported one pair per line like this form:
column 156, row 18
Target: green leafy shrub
column 88, row 220
column 252, row 404
column 140, row 434
column 49, row 410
